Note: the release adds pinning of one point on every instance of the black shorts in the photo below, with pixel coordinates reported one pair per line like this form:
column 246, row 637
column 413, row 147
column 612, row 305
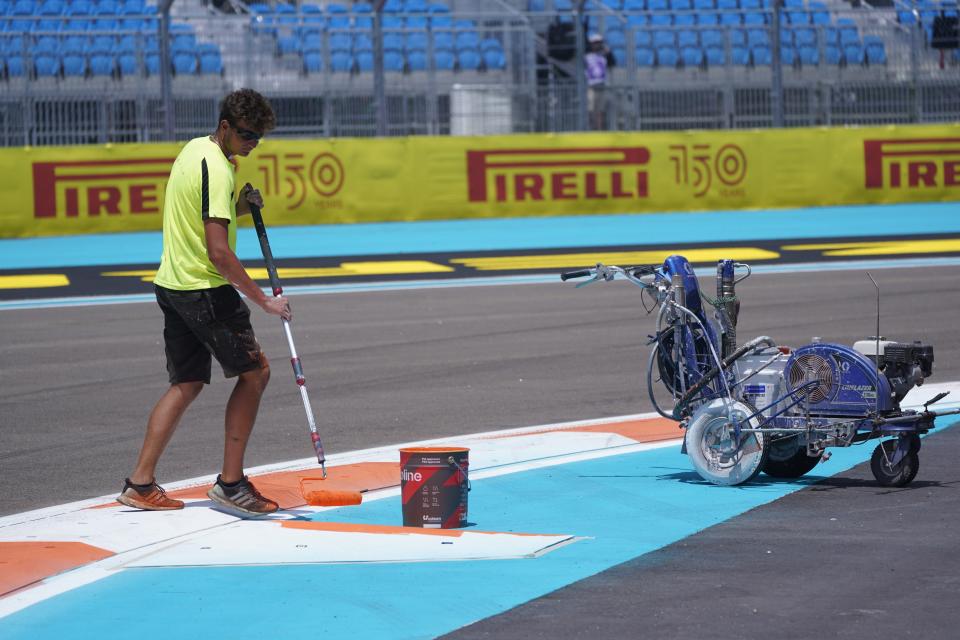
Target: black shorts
column 199, row 323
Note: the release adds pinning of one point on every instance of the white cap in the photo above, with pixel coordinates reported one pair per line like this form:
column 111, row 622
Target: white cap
column 595, row 37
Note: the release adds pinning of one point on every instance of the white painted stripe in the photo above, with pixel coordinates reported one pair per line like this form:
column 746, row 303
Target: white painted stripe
column 446, row 283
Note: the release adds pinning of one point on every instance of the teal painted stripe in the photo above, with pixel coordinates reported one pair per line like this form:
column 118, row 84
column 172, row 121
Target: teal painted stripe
column 505, row 234
column 625, row 506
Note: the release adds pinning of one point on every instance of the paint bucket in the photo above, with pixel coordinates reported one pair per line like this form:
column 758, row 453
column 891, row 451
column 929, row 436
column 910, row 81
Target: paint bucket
column 434, row 486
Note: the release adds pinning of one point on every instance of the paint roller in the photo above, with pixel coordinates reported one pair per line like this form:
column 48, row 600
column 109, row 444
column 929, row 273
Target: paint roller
column 316, row 497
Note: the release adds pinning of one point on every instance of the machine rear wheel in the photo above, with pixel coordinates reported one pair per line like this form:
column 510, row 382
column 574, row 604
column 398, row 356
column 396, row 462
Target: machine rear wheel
column 789, row 460
column 896, row 475
column 716, row 452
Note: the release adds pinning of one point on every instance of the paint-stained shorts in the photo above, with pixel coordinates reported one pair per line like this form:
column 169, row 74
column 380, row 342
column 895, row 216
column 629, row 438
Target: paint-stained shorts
column 198, row 324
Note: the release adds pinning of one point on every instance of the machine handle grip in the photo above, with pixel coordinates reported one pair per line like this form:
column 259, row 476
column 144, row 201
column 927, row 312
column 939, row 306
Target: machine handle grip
column 575, row 274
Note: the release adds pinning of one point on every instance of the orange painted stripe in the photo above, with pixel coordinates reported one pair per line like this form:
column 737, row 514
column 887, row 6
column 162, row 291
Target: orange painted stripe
column 646, row 430
column 284, row 486
column 23, row 563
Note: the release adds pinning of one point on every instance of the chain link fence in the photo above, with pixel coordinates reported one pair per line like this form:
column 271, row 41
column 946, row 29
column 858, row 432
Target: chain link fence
column 529, row 85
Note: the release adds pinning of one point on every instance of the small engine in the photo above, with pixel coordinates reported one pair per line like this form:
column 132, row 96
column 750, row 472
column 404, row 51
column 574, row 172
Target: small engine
column 905, row 365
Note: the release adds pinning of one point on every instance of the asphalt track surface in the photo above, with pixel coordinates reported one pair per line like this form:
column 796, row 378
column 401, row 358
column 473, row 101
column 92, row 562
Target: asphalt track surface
column 841, row 558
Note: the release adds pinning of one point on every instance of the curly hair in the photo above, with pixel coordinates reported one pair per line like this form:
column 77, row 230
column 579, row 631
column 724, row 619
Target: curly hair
column 250, row 106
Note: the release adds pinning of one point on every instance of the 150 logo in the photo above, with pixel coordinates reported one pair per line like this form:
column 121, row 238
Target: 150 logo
column 700, row 167
column 292, row 176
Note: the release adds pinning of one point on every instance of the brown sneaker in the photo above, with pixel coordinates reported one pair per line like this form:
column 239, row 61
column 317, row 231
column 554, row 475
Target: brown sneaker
column 242, row 497
column 151, row 497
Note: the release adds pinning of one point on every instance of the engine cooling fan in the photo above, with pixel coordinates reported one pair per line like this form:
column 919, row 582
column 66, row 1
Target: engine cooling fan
column 809, row 367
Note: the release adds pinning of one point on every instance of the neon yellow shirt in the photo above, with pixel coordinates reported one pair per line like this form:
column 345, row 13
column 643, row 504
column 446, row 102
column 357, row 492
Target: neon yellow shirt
column 201, row 186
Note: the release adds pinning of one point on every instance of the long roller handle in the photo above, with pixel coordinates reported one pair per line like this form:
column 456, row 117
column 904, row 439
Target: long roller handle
column 294, row 358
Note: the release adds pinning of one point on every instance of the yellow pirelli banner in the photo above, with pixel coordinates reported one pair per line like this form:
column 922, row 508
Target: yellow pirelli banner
column 93, row 189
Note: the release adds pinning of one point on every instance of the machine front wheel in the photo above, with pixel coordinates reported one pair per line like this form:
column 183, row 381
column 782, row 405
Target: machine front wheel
column 893, row 475
column 789, row 459
column 718, row 453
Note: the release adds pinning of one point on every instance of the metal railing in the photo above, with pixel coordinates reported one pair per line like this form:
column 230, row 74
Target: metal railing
column 529, row 90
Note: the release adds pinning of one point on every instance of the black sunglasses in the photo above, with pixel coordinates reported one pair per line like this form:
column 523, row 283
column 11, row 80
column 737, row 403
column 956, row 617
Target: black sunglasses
column 246, row 134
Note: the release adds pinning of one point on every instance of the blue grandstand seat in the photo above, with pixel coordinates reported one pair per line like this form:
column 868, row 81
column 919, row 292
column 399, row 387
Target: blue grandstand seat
column 417, row 60
column 664, row 38
column 730, row 18
column 680, row 5
column 704, row 5
column 440, row 21
column 740, row 55
column 634, row 5
column 643, row 38
column 614, row 5
column 437, row 7
column 127, row 44
column 417, row 22
column 788, row 54
column 393, row 22
column 286, row 45
column 46, row 66
column 341, row 61
column 905, row 16
column 15, row 66
column 45, row 45
column 467, row 40
column 74, row 66
column 661, row 20
column 754, row 18
column 50, row 8
column 107, row 8
column 444, row 59
column 443, row 40
column 615, row 38
column 644, row 57
column 313, row 61
column 78, row 8
column 393, row 41
column 488, row 44
column 667, row 57
column 819, row 14
column 786, row 36
column 875, row 50
column 805, row 36
column 619, row 55
column 468, row 59
column 708, row 19
column 758, row 37
column 853, row 53
column 364, row 61
column 711, row 38
column 151, row 62
column 751, row 5
column 738, row 37
column 133, row 8
column 340, row 41
column 691, row 56
column 688, row 38
column 793, row 4
column 362, row 42
column 761, row 56
column 849, row 33
column 184, row 63
column 798, row 17
column 101, row 45
column 716, row 56
column 416, row 6
column 684, row 19
column 727, row 5
column 73, row 45
column 832, row 54
column 831, row 36
column 102, row 65
column 393, row 6
column 127, row 64
column 809, row 56
column 312, row 42
column 394, row 61
column 186, row 42
column 416, row 41
column 493, row 59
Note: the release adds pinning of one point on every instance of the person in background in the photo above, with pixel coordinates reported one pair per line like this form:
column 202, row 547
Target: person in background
column 196, row 288
column 597, row 62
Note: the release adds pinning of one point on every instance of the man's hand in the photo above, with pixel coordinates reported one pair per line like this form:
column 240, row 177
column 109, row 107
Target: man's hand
column 248, row 195
column 278, row 306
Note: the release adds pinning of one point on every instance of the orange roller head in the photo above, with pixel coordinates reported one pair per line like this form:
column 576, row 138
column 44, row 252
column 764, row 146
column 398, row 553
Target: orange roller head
column 332, row 498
